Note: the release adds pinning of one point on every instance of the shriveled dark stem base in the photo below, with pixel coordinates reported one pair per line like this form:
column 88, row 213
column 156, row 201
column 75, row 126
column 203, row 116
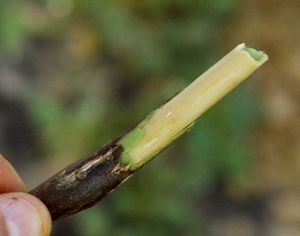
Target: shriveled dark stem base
column 84, row 183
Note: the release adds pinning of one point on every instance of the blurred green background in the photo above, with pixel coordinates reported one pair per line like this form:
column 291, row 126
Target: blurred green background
column 76, row 73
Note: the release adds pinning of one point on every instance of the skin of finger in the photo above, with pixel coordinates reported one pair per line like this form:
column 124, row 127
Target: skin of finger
column 39, row 207
column 10, row 181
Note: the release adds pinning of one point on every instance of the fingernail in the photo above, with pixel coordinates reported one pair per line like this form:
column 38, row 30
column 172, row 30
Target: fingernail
column 21, row 219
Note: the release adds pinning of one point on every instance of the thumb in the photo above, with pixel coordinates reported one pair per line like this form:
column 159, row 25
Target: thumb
column 22, row 214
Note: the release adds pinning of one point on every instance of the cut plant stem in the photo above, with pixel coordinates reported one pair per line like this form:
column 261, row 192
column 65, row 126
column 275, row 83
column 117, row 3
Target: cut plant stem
column 85, row 182
column 169, row 120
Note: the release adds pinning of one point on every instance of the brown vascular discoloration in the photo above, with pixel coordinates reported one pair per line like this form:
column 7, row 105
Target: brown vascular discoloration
column 84, row 183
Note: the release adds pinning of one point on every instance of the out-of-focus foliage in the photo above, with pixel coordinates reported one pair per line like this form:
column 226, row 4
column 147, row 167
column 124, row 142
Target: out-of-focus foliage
column 98, row 67
column 12, row 29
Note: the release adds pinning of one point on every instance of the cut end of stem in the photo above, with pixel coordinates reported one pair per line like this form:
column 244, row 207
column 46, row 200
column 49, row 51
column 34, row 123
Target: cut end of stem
column 168, row 122
column 259, row 56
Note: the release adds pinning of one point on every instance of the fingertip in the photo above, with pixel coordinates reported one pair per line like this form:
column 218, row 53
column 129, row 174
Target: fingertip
column 42, row 210
column 23, row 214
column 10, row 181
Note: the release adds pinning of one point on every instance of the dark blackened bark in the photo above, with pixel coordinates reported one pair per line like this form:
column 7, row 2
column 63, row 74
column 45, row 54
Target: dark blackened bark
column 84, row 183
